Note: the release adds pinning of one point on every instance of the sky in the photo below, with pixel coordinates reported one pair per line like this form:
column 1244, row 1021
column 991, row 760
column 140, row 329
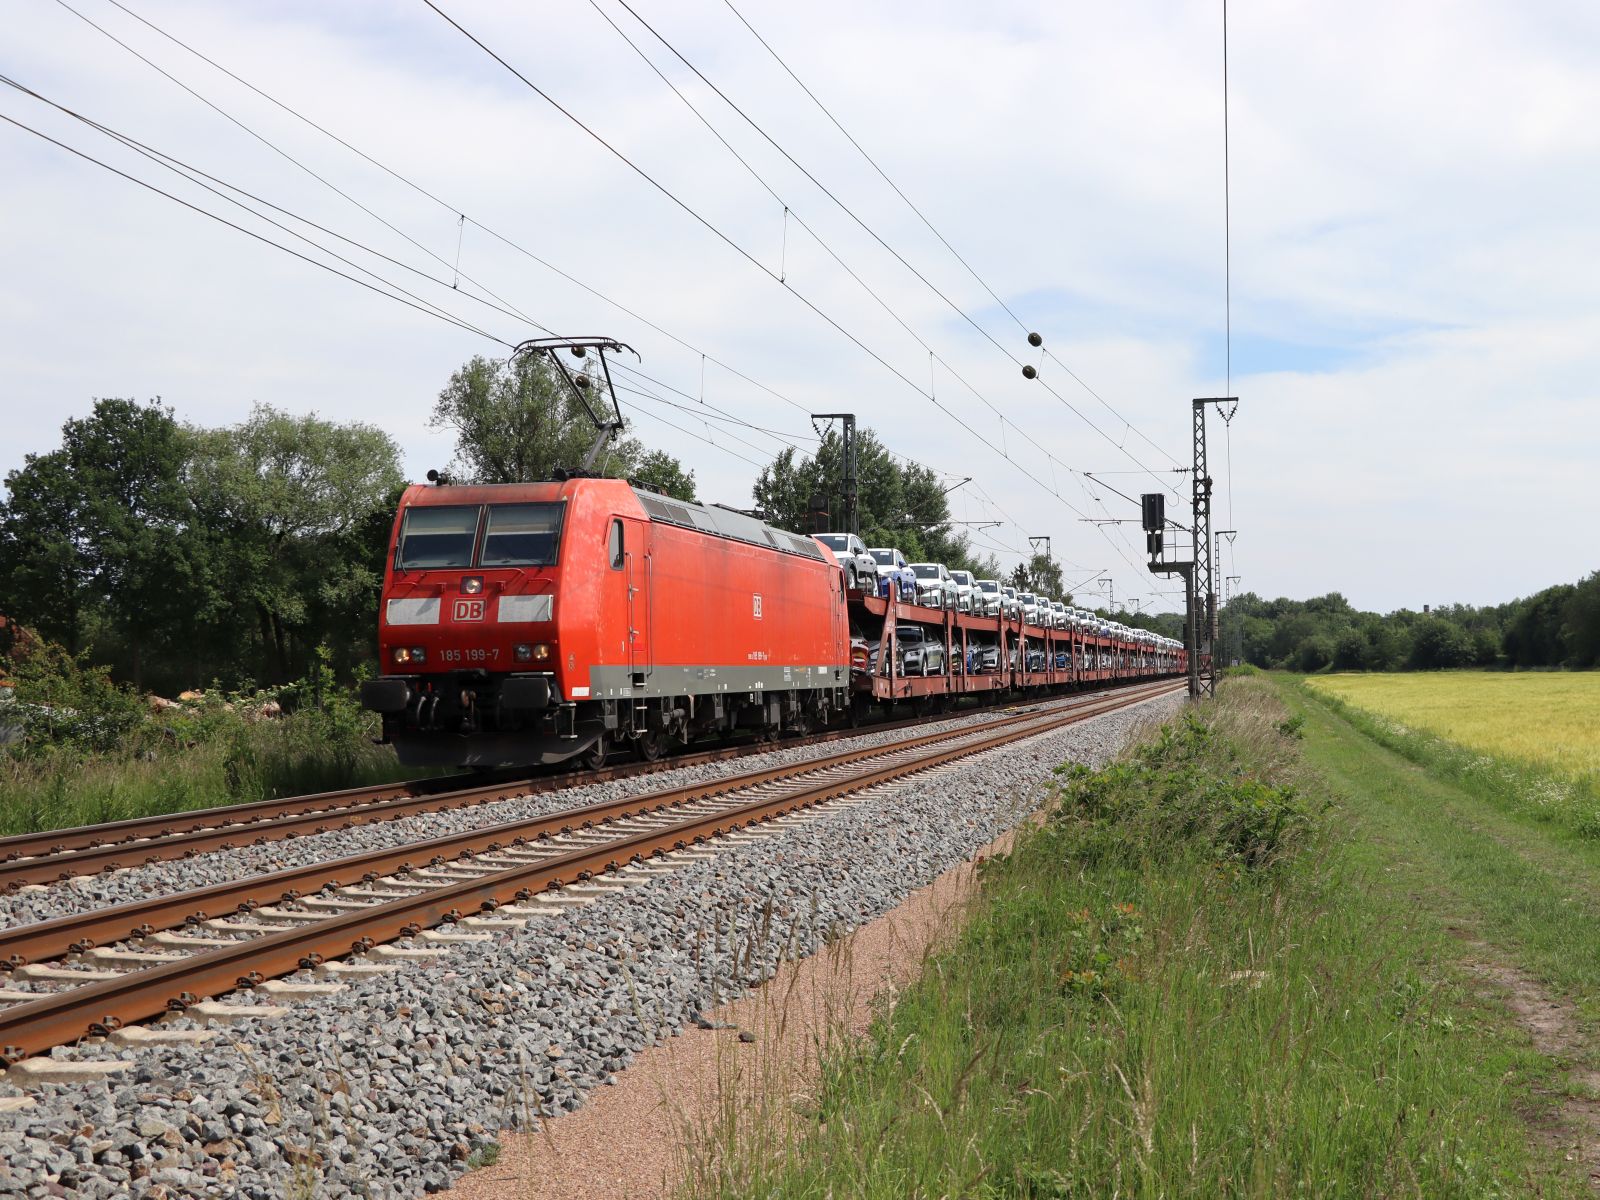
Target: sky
column 1415, row 310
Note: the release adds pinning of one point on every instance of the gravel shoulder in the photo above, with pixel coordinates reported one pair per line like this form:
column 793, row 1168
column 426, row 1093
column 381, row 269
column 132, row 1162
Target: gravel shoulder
column 390, row 1087
column 759, row 1055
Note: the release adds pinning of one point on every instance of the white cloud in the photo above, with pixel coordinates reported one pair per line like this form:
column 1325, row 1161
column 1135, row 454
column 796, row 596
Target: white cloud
column 1413, row 190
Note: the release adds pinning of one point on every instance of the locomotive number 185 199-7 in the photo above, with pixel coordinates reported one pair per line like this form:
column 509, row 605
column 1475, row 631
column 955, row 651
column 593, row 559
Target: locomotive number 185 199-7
column 470, row 654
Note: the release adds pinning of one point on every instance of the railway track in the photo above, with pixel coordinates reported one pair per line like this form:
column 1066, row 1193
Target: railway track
column 39, row 859
column 93, row 973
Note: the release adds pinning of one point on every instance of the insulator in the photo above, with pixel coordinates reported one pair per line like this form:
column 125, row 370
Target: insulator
column 1029, row 372
column 1035, row 340
column 579, row 352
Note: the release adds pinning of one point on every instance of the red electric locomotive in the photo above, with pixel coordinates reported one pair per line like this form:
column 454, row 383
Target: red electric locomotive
column 537, row 622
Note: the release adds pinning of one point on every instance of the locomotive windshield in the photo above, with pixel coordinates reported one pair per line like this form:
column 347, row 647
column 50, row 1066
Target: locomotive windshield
column 521, row 535
column 434, row 537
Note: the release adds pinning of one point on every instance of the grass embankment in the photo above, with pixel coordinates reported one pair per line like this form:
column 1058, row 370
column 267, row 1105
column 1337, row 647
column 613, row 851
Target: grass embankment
column 88, row 750
column 284, row 757
column 117, row 760
column 1482, row 846
column 1184, row 983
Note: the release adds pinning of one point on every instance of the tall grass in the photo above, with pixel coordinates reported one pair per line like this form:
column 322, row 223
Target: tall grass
column 251, row 762
column 1177, row 987
column 91, row 751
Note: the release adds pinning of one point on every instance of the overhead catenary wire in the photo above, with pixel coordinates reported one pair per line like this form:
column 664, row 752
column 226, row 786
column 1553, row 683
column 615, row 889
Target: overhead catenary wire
column 184, row 169
column 461, row 215
column 740, row 250
column 200, row 179
column 788, row 211
column 921, row 216
column 421, row 190
column 698, row 437
column 177, row 165
column 278, row 150
column 421, row 306
column 995, row 296
column 504, row 308
column 822, row 187
column 431, row 311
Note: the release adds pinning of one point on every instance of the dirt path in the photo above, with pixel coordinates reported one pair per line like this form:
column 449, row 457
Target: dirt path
column 752, row 1071
column 1521, row 903
column 1554, row 1029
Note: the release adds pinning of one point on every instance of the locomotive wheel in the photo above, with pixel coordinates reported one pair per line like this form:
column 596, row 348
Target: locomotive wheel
column 650, row 746
column 595, row 756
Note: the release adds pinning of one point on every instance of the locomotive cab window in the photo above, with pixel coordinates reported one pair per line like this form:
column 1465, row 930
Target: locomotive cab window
column 436, row 537
column 521, row 535
column 615, row 545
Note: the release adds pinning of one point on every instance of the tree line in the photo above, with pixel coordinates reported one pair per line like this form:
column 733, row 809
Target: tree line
column 179, row 555
column 1557, row 627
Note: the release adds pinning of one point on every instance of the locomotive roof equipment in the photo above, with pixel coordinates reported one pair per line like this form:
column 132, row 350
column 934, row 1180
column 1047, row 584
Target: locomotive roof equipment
column 580, row 385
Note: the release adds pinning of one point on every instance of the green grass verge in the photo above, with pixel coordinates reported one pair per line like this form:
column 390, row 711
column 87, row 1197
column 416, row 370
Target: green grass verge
column 235, row 763
column 89, row 751
column 1183, row 984
column 1488, row 868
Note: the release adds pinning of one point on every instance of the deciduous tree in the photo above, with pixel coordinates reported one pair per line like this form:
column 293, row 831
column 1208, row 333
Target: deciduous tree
column 103, row 528
column 293, row 505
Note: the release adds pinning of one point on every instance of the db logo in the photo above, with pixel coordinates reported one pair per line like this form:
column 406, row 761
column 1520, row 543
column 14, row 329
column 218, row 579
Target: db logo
column 755, row 604
column 469, row 610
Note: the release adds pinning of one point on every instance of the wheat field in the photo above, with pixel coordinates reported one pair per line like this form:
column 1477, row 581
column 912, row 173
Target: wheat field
column 1551, row 719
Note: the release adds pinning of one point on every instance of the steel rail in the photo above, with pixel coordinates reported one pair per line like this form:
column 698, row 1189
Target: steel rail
column 465, row 787
column 177, row 835
column 162, row 825
column 63, row 1017
column 79, row 932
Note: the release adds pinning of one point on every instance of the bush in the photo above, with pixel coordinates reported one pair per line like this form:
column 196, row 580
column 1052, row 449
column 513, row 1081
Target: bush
column 1440, row 644
column 1352, row 651
column 63, row 703
column 1185, row 791
column 1315, row 653
column 93, row 751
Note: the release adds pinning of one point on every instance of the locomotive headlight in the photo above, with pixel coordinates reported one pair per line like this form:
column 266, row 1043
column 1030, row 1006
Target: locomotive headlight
column 541, row 652
column 471, row 585
column 402, row 655
column 522, row 652
column 418, row 654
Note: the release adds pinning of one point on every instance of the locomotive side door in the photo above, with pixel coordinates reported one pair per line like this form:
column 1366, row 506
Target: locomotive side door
column 637, row 544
